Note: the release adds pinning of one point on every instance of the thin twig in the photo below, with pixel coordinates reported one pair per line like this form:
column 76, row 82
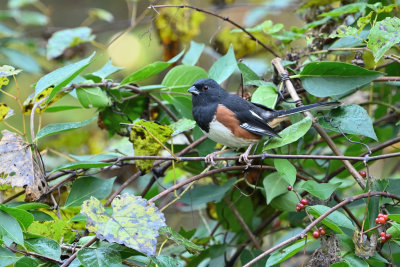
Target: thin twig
column 33, row 254
column 252, row 37
column 242, row 223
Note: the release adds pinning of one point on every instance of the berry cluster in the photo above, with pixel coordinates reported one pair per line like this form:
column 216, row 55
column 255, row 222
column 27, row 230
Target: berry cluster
column 302, row 204
column 385, row 237
column 382, row 218
column 320, row 232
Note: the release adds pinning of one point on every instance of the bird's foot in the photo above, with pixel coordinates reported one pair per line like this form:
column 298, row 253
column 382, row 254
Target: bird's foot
column 244, row 158
column 209, row 159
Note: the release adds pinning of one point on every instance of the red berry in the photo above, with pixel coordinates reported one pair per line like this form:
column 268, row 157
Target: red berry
column 383, row 234
column 388, row 236
column 304, row 201
column 377, row 220
column 363, row 174
column 290, row 188
column 385, row 216
column 380, row 215
column 321, row 228
column 298, row 208
column 322, row 231
column 300, row 205
column 316, row 234
column 383, row 239
column 381, row 220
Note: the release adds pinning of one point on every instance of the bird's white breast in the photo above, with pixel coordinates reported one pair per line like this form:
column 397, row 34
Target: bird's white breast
column 223, row 135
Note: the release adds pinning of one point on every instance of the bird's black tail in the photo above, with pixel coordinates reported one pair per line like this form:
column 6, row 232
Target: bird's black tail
column 316, row 106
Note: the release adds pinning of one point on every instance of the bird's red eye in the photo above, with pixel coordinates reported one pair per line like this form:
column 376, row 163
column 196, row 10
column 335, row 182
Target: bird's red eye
column 205, row 88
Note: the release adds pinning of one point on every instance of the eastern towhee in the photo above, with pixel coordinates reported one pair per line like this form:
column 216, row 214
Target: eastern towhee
column 235, row 122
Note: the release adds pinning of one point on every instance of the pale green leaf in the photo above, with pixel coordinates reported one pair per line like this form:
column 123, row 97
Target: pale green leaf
column 134, row 222
column 61, row 127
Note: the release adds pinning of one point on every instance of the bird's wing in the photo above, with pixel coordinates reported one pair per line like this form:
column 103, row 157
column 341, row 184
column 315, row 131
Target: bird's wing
column 249, row 116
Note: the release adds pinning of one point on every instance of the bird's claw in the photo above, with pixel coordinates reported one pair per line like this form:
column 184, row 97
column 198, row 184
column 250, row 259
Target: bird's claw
column 243, row 158
column 209, row 159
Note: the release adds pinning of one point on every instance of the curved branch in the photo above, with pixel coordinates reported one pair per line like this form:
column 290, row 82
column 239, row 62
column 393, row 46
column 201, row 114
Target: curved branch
column 252, row 37
column 303, row 233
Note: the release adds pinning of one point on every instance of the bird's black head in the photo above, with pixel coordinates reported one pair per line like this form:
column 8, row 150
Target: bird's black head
column 206, row 88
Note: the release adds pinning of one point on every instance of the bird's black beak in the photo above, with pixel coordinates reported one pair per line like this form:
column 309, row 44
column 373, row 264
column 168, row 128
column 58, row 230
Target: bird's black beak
column 193, row 90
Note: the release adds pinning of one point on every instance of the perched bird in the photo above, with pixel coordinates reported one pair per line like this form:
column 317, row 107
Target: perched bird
column 235, row 122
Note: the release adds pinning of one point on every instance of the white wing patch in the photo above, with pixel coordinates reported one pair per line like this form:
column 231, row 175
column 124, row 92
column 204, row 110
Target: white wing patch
column 256, row 115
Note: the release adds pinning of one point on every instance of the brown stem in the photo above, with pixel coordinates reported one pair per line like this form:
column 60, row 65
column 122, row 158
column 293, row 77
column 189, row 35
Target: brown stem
column 242, row 223
column 33, row 254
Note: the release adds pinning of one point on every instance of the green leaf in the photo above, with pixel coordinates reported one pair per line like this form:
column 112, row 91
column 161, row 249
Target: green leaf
column 92, row 97
column 334, row 78
column 21, row 60
column 150, row 70
column 81, row 165
column 27, row 262
column 61, row 108
column 23, row 217
column 61, row 77
column 355, row 261
column 223, row 67
column 320, row 190
column 287, row 252
column 384, row 35
column 265, row 95
column 352, row 119
column 134, row 222
column 182, row 125
column 44, row 246
column 285, row 202
column 394, row 230
column 274, row 185
column 166, row 261
column 171, row 234
column 83, row 188
column 247, row 73
column 207, row 193
column 286, row 170
column 10, row 229
column 7, row 258
column 106, row 70
column 67, row 38
column 290, row 134
column 395, row 217
column 15, row 4
column 61, row 127
column 29, row 17
column 194, row 53
column 340, row 264
column 99, row 257
column 179, row 79
column 346, row 9
column 32, row 206
column 335, row 220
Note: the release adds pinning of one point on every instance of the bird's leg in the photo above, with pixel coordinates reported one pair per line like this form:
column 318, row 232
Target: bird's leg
column 210, row 157
column 244, row 157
